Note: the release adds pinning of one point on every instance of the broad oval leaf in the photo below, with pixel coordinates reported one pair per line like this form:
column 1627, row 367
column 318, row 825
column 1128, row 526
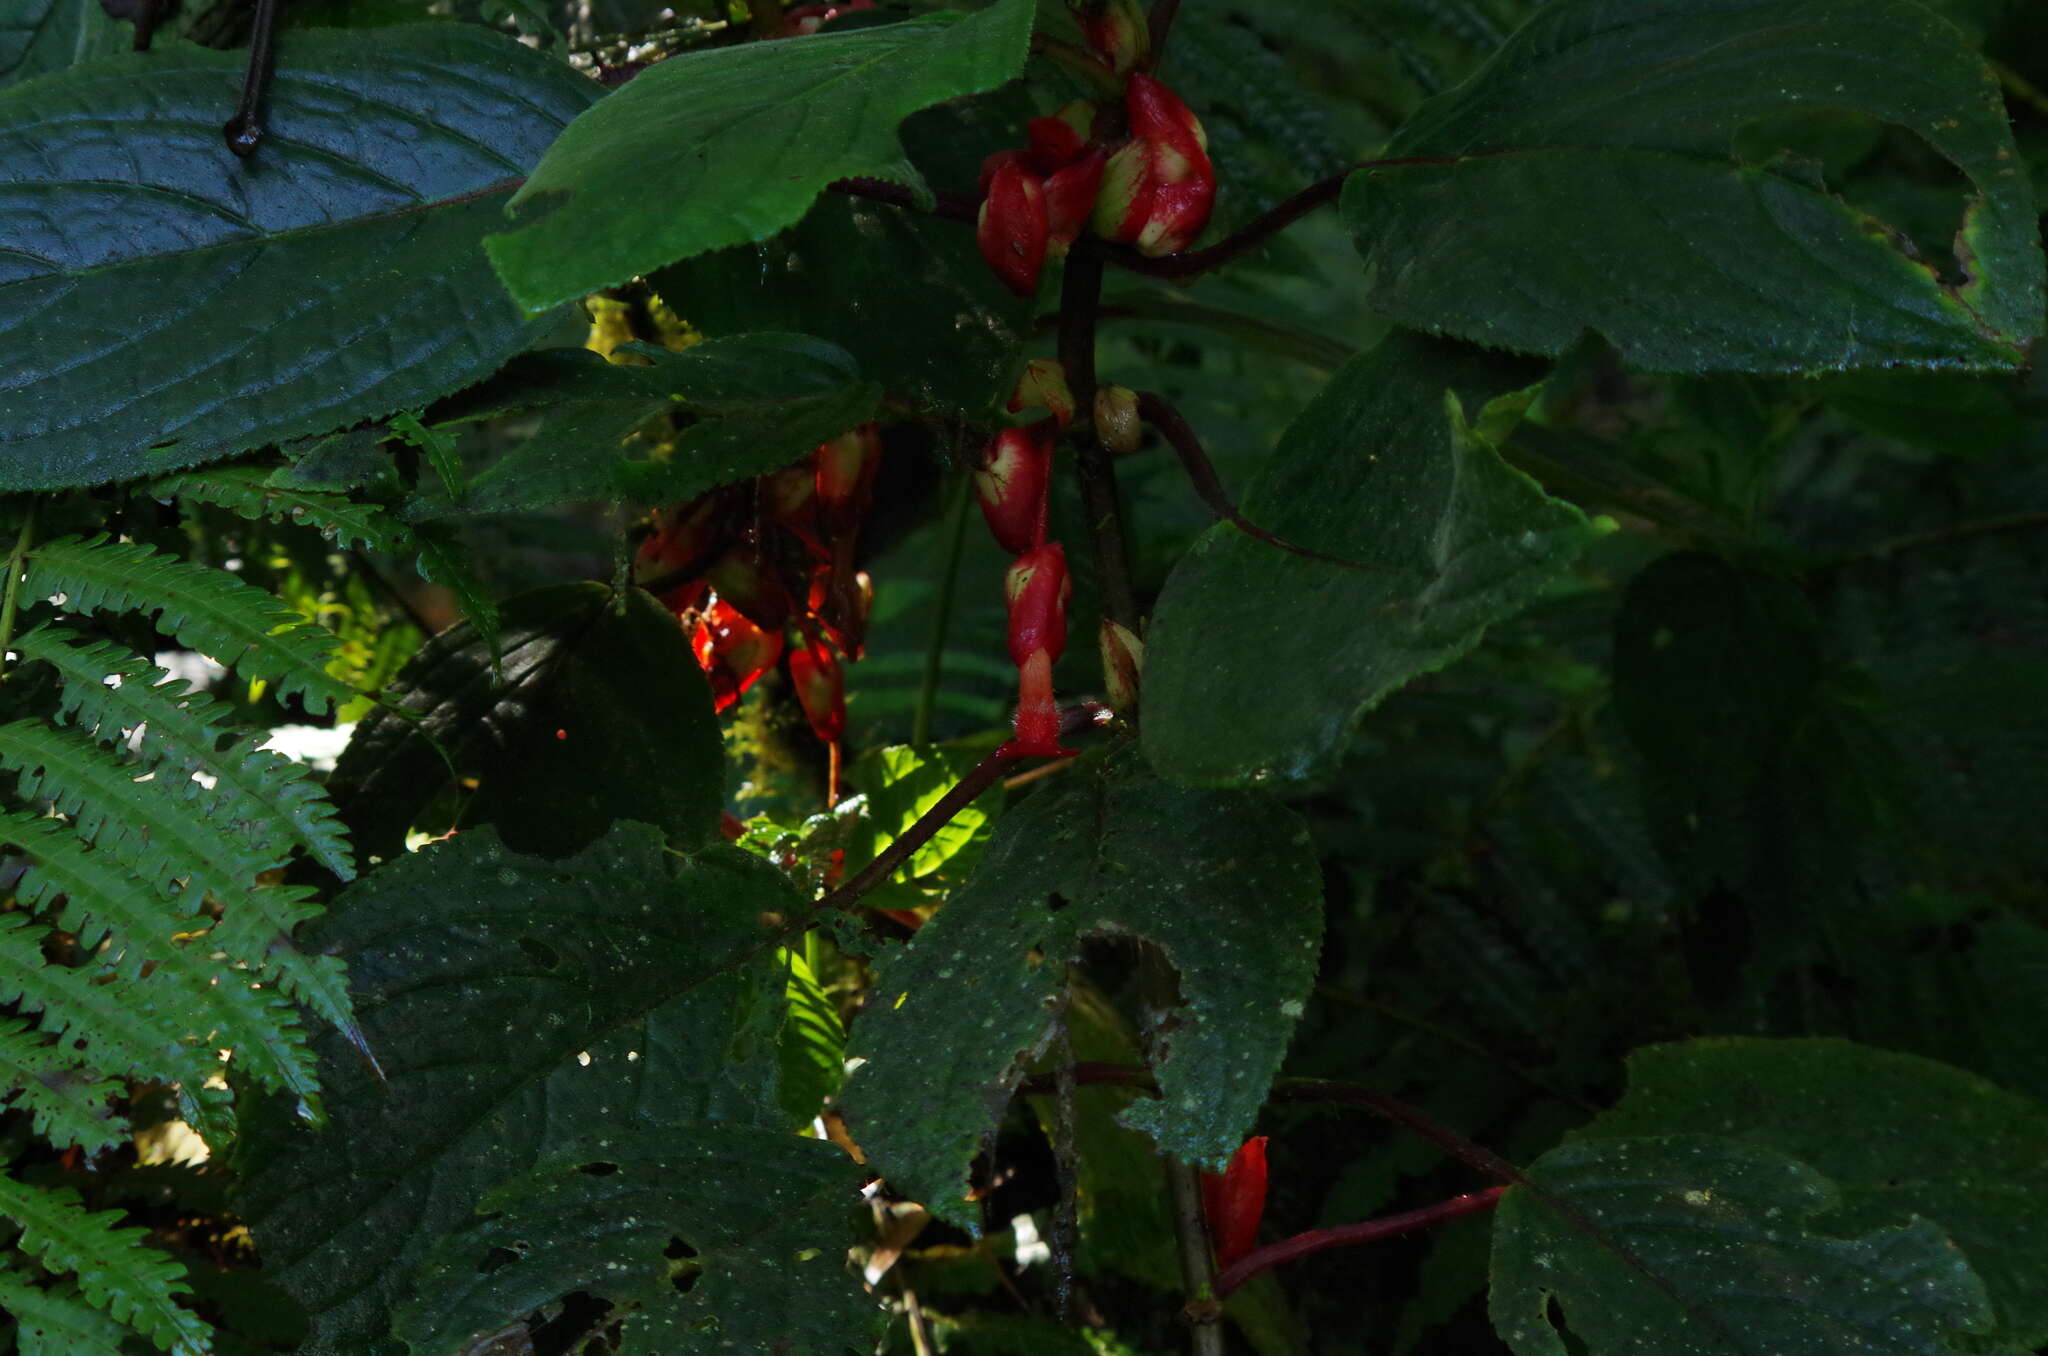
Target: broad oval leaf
column 1225, row 883
column 1586, row 178
column 333, row 276
column 739, row 140
column 519, row 1006
column 40, row 36
column 1687, row 1245
column 1382, row 471
column 1900, row 1136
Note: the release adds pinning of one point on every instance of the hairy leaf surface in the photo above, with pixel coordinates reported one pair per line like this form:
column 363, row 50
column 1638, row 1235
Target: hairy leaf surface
column 1224, row 883
column 741, row 140
column 335, row 275
column 1588, row 178
column 1259, row 663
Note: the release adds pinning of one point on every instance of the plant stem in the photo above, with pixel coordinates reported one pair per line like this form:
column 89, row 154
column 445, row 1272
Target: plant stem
column 10, row 602
column 1370, row 1231
column 1183, row 1182
column 952, row 206
column 1159, row 24
column 949, row 582
column 1939, row 536
column 979, row 778
column 1450, row 1037
column 244, row 127
column 1095, row 468
column 1080, row 61
column 1303, row 346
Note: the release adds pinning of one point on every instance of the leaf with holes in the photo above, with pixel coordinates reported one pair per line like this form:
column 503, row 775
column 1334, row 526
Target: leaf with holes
column 1614, row 168
column 742, row 140
column 1225, row 883
column 335, row 275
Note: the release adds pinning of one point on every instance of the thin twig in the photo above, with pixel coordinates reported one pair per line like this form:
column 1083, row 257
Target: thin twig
column 1344, row 1235
column 1183, row 1182
column 1159, row 25
column 1095, row 467
column 1941, row 536
column 10, row 601
column 1450, row 1037
column 957, row 514
column 952, row 206
column 979, row 778
column 244, row 128
column 1080, row 61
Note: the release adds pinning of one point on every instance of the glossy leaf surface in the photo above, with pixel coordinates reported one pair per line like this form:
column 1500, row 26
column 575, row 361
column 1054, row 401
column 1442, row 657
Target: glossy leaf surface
column 334, row 276
column 1588, row 178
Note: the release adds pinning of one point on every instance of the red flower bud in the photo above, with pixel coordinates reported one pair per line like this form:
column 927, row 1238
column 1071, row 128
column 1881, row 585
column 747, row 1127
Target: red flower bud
column 1038, row 716
column 1158, row 189
column 1234, row 1200
column 732, row 651
column 1038, row 587
column 820, row 689
column 742, row 581
column 681, row 536
column 1011, row 486
column 845, row 474
column 1070, row 200
column 1043, row 385
column 995, row 161
column 1114, row 29
column 1054, row 142
column 1012, row 229
column 1123, row 659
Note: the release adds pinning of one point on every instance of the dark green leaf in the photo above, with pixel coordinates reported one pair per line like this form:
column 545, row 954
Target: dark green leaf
column 1687, row 1245
column 763, row 1218
column 333, row 276
column 740, row 140
column 813, row 1045
column 519, row 1006
column 1224, row 883
column 1900, row 1137
column 39, row 36
column 760, row 402
column 908, row 296
column 1260, row 663
column 1586, row 178
column 602, row 714
column 1938, row 411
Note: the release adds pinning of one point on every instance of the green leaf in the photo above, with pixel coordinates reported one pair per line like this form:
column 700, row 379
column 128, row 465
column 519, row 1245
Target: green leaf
column 741, row 140
column 908, row 296
column 56, row 1320
column 1260, row 663
column 40, row 36
column 251, row 492
column 333, row 276
column 813, row 1045
column 1223, row 882
column 602, row 714
column 1900, row 1137
column 901, row 782
column 208, row 610
column 1687, row 1245
column 1944, row 412
column 69, row 1105
column 764, row 1219
column 519, row 1005
column 760, row 402
column 126, row 1031
column 115, row 1270
column 1587, row 178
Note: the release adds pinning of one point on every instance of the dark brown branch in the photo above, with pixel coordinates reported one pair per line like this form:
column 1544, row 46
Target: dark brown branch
column 1159, row 24
column 1159, row 412
column 1344, row 1235
column 951, row 206
column 1095, row 468
column 244, row 129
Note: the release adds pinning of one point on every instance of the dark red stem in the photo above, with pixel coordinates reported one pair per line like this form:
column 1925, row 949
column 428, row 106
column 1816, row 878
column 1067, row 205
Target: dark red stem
column 952, row 206
column 1370, row 1231
column 1158, row 24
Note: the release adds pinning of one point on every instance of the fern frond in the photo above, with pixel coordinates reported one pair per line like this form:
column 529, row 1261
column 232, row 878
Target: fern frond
column 270, row 1045
column 115, row 1270
column 147, row 827
column 117, row 1029
column 55, row 1320
column 183, row 731
column 98, row 898
column 68, row 1106
column 247, row 491
column 208, row 610
column 258, row 933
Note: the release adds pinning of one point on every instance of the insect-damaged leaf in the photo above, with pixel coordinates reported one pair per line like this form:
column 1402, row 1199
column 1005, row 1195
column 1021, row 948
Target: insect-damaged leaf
column 1588, row 177
column 1224, row 882
column 520, row 1007
column 1259, row 663
column 170, row 307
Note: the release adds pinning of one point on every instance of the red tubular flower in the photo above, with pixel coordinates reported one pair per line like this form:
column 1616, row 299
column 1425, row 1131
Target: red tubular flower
column 1013, row 229
column 742, row 581
column 681, row 537
column 732, row 651
column 1054, row 142
column 1043, row 386
column 1070, row 201
column 845, row 476
column 1038, row 587
column 820, row 689
column 1115, row 30
column 1012, row 483
column 1234, row 1200
column 1158, row 189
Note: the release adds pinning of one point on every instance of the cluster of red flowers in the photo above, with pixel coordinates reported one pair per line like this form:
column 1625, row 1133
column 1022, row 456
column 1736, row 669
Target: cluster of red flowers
column 764, row 569
column 1144, row 179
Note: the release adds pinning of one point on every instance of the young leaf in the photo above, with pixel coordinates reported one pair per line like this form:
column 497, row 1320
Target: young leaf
column 1223, row 882
column 348, row 246
column 519, row 1006
column 1900, row 1137
column 602, row 714
column 764, row 1219
column 742, row 139
column 1585, row 178
column 208, row 610
column 1383, row 469
column 1687, row 1245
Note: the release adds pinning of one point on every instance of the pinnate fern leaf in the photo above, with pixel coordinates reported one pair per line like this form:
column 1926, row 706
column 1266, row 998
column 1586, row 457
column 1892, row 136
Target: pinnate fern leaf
column 66, row 1103
column 208, row 610
column 246, row 490
column 56, row 1320
column 124, row 1029
column 115, row 1270
column 182, row 731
